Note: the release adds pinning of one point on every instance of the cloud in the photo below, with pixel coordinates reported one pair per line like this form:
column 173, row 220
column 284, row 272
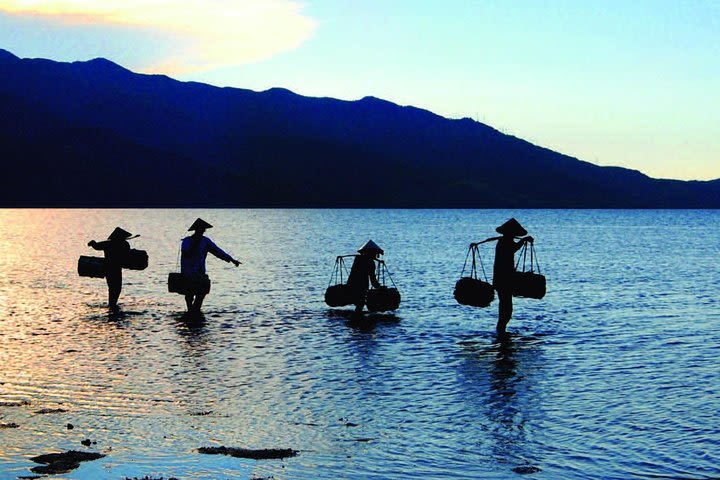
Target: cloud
column 207, row 34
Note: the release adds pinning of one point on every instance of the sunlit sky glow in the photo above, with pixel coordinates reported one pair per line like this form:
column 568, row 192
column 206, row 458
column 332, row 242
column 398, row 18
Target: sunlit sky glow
column 635, row 84
column 204, row 34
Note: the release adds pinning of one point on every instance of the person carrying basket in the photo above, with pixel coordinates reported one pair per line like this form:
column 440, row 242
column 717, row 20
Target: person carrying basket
column 504, row 267
column 194, row 250
column 362, row 272
column 116, row 249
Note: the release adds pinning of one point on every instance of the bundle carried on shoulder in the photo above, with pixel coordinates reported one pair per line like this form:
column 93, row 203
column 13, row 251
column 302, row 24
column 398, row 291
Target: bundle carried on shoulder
column 136, row 260
column 471, row 290
column 383, row 298
column 526, row 282
column 92, row 267
column 96, row 267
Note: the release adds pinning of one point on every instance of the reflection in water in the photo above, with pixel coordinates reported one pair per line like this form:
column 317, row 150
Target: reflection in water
column 118, row 316
column 500, row 379
column 115, row 318
column 366, row 322
column 509, row 430
column 191, row 377
column 191, row 327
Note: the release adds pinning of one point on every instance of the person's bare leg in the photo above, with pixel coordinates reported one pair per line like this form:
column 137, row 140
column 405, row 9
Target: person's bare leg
column 114, row 282
column 505, row 309
column 197, row 304
column 189, row 302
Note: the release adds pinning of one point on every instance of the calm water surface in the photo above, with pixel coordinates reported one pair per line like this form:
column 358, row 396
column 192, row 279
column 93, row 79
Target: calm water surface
column 614, row 374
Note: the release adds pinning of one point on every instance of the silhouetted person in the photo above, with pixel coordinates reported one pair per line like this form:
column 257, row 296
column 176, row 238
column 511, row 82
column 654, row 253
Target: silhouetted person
column 194, row 250
column 504, row 267
column 116, row 249
column 362, row 273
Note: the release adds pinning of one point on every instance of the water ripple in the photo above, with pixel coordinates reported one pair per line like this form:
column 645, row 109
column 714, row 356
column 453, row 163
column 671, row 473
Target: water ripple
column 612, row 375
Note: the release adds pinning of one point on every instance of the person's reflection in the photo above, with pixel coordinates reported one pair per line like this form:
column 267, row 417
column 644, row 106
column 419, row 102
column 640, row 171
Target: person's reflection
column 192, row 328
column 364, row 323
column 369, row 322
column 508, row 398
column 369, row 369
column 111, row 318
column 508, row 423
column 193, row 376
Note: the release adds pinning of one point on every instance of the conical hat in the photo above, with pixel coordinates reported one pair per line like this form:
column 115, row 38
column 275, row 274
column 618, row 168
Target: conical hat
column 511, row 227
column 371, row 247
column 119, row 233
column 199, row 224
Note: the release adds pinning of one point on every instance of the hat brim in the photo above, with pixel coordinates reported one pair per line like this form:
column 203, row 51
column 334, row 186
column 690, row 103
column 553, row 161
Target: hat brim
column 511, row 227
column 372, row 250
column 515, row 232
column 199, row 224
column 119, row 234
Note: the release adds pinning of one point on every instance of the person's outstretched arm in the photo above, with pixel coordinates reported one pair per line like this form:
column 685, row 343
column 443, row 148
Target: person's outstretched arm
column 220, row 253
column 491, row 239
column 98, row 245
column 523, row 241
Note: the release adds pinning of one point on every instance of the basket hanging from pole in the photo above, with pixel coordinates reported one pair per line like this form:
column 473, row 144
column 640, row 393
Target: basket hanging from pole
column 338, row 293
column 384, row 298
column 528, row 283
column 471, row 290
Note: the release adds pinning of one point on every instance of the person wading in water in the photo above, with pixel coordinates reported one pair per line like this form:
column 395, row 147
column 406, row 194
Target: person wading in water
column 504, row 267
column 116, row 249
column 362, row 272
column 194, row 250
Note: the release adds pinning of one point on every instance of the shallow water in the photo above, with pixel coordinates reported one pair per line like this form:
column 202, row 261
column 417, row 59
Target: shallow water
column 614, row 374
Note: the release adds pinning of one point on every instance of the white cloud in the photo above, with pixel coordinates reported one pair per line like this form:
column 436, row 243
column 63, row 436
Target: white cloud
column 207, row 33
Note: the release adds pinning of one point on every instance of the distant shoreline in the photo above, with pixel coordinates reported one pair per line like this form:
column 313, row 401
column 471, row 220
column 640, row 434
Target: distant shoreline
column 89, row 134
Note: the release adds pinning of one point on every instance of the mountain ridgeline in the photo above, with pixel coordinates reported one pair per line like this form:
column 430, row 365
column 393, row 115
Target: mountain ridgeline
column 95, row 134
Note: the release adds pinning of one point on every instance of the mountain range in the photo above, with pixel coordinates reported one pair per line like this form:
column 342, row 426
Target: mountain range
column 95, row 134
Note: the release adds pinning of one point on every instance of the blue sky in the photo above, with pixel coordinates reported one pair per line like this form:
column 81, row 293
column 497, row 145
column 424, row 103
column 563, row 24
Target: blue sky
column 635, row 84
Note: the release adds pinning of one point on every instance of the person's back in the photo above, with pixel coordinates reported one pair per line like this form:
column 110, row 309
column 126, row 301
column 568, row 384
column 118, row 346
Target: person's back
column 116, row 250
column 362, row 273
column 194, row 250
column 363, row 268
column 504, row 265
column 193, row 253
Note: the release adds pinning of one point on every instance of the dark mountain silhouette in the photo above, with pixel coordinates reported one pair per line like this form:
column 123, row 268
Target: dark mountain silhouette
column 95, row 134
